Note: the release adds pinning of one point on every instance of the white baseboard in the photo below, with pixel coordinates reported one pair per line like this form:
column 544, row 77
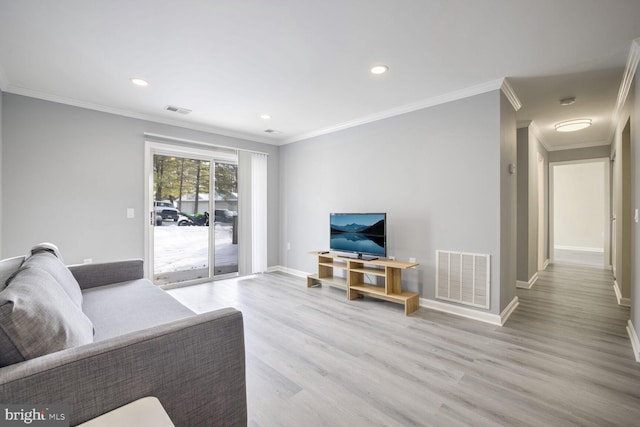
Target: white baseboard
column 529, row 284
column 621, row 300
column 288, row 270
column 470, row 313
column 635, row 343
column 509, row 309
column 444, row 307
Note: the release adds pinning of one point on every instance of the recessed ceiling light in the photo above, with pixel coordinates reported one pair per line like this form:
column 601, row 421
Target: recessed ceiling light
column 265, row 116
column 379, row 69
column 138, row 81
column 573, row 125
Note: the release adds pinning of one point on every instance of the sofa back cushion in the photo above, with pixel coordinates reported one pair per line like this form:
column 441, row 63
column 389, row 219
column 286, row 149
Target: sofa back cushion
column 50, row 263
column 8, row 267
column 38, row 317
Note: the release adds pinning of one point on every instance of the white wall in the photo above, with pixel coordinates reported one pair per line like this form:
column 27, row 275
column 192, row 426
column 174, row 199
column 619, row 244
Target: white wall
column 621, row 203
column 1, row 173
column 529, row 148
column 508, row 202
column 635, row 235
column 436, row 172
column 69, row 174
column 579, row 205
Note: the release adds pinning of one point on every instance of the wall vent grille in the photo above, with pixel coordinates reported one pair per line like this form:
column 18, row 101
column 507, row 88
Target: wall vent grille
column 463, row 278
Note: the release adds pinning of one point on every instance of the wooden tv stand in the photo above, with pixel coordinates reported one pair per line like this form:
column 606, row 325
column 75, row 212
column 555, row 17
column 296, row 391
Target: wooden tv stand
column 355, row 283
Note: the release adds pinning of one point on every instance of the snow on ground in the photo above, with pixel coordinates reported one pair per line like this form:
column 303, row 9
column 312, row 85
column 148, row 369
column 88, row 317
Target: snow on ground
column 187, row 248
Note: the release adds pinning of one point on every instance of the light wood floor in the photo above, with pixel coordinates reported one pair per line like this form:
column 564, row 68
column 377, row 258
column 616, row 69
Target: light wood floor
column 585, row 258
column 316, row 359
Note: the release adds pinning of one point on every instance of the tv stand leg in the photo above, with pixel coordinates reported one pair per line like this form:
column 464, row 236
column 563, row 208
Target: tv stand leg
column 313, row 283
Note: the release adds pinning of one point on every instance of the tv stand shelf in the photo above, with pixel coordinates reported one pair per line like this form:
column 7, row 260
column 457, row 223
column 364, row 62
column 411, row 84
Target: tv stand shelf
column 355, row 284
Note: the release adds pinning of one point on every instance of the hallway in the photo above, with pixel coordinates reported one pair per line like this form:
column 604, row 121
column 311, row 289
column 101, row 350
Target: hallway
column 570, row 318
column 583, row 258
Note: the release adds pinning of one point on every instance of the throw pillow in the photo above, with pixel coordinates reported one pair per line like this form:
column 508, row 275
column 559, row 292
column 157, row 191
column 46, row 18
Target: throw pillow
column 54, row 266
column 37, row 317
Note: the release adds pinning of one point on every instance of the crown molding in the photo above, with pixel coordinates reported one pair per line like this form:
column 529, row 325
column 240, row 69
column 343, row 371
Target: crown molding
column 538, row 134
column 627, row 78
column 403, row 109
column 510, row 94
column 17, row 90
column 523, row 123
column 581, row 145
column 535, row 130
column 625, row 85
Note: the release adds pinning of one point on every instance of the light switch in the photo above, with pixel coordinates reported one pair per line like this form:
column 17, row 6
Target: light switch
column 636, row 216
column 130, row 213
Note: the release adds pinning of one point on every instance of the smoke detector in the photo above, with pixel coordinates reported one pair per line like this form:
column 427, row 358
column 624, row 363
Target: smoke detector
column 568, row 101
column 175, row 109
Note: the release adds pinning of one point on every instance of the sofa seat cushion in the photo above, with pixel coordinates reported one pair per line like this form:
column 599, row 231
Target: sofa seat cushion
column 37, row 317
column 50, row 263
column 125, row 307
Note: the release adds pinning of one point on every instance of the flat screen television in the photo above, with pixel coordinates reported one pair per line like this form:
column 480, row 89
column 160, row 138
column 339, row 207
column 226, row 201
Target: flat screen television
column 361, row 235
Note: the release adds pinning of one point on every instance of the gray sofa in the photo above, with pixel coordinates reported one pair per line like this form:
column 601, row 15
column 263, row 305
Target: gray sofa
column 98, row 336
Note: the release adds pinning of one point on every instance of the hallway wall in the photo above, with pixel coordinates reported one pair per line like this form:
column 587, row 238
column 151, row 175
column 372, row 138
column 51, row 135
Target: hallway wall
column 635, row 235
column 529, row 147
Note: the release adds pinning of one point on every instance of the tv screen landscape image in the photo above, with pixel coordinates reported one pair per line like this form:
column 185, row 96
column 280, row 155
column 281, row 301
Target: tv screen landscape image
column 359, row 233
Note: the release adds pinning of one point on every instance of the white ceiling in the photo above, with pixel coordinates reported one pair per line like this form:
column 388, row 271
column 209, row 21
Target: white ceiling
column 306, row 62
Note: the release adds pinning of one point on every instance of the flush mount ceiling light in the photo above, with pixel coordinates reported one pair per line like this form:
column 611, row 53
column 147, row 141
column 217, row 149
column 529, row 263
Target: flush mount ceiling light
column 379, row 69
column 573, row 125
column 265, row 116
column 138, row 81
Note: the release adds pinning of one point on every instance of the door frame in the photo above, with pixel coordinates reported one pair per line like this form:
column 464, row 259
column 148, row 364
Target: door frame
column 542, row 209
column 607, row 205
column 178, row 150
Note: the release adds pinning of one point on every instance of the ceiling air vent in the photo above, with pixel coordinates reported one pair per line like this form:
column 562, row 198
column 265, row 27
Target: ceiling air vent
column 177, row 109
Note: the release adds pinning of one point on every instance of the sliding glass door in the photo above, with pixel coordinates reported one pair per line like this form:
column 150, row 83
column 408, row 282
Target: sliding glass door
column 225, row 221
column 181, row 241
column 192, row 230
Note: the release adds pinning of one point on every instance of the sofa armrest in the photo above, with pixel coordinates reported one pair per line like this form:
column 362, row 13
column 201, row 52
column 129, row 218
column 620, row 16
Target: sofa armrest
column 194, row 366
column 100, row 274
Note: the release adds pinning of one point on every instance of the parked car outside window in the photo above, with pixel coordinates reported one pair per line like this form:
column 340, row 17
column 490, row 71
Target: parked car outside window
column 223, row 215
column 166, row 210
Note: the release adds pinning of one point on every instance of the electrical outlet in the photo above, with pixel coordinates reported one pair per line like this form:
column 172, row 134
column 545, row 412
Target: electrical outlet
column 288, row 246
column 392, row 258
column 87, row 260
column 412, row 260
column 131, row 213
